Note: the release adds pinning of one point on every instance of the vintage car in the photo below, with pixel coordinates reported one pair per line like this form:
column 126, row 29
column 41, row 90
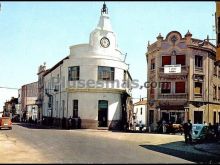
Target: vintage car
column 199, row 132
column 5, row 122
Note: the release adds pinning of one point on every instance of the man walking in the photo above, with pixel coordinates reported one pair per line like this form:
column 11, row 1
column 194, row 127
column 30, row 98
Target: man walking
column 188, row 131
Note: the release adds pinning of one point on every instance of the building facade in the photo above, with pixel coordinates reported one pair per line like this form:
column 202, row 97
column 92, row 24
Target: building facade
column 194, row 92
column 140, row 113
column 217, row 27
column 91, row 83
column 29, row 93
column 40, row 94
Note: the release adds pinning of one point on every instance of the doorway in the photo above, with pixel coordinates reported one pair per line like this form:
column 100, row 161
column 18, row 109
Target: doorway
column 103, row 113
column 198, row 116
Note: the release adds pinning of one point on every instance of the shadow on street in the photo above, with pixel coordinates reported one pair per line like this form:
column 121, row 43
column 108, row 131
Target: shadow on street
column 187, row 155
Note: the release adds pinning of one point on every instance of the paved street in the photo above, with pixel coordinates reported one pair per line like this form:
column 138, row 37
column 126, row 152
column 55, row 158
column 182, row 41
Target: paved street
column 97, row 146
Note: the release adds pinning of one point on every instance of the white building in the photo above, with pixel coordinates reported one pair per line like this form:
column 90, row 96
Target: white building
column 140, row 113
column 89, row 82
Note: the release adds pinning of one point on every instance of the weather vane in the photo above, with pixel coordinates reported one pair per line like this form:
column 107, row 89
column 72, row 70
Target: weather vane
column 104, row 9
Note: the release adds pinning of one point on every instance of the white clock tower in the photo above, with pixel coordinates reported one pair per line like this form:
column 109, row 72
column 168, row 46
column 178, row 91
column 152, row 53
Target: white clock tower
column 103, row 38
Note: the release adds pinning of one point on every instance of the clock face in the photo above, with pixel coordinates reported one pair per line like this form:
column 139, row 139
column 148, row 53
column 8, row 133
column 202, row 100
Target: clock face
column 105, row 42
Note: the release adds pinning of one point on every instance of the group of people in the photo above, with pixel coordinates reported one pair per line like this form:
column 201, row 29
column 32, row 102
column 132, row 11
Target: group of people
column 74, row 123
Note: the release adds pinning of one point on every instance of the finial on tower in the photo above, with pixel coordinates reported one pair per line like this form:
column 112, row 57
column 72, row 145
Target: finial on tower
column 104, row 9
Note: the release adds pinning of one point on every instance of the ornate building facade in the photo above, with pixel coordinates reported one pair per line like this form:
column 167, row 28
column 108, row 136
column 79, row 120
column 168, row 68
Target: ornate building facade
column 194, row 92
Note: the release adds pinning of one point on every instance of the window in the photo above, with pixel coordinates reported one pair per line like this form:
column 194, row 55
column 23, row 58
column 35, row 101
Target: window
column 151, row 116
column 180, row 87
column 214, row 117
column 73, row 73
column 152, row 93
column 215, row 71
column 198, row 61
column 218, row 31
column 165, row 87
column 214, row 93
column 218, row 117
column 218, row 71
column 152, row 66
column 106, row 73
column 218, row 93
column 75, row 108
column 141, row 111
column 166, row 60
column 181, row 59
column 218, row 25
column 125, row 73
column 50, row 102
column 198, row 89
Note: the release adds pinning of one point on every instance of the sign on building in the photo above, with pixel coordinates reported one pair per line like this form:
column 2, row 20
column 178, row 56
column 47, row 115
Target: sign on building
column 172, row 68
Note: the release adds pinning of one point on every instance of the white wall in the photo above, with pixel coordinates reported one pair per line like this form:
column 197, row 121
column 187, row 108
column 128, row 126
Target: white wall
column 141, row 117
column 88, row 105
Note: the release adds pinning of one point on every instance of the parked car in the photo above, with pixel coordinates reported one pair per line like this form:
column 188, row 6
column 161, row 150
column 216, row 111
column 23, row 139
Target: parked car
column 5, row 122
column 199, row 132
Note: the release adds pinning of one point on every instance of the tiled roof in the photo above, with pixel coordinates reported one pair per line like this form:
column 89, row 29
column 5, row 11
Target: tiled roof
column 142, row 102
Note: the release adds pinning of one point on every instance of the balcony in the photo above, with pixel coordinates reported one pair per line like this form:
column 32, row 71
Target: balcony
column 199, row 70
column 176, row 96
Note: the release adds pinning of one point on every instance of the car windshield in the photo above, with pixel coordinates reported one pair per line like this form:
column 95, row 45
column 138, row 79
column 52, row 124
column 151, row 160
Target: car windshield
column 197, row 127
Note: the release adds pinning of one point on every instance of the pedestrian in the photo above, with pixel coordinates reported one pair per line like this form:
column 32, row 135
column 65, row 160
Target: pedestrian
column 70, row 122
column 164, row 126
column 216, row 130
column 188, row 131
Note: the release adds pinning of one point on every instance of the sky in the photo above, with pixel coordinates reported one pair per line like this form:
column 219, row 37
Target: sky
column 32, row 33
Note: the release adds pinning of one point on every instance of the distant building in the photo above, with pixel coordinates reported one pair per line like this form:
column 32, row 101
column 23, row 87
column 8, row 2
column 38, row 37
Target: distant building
column 140, row 113
column 40, row 97
column 29, row 94
column 88, row 84
column 18, row 107
column 10, row 107
column 188, row 81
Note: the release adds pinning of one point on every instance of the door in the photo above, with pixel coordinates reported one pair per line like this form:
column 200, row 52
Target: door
column 103, row 113
column 165, row 116
column 198, row 116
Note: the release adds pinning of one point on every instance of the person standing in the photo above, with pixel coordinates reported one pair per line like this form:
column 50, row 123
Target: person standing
column 70, row 122
column 164, row 126
column 188, row 131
